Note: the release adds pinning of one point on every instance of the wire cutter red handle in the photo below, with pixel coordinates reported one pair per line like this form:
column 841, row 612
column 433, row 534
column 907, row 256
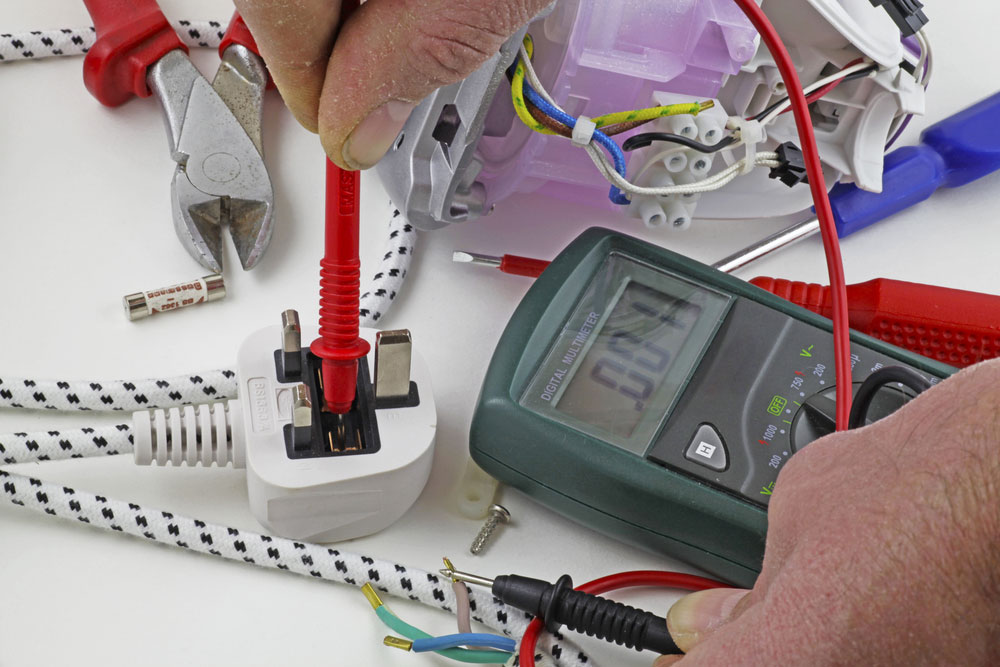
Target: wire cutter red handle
column 131, row 36
column 238, row 33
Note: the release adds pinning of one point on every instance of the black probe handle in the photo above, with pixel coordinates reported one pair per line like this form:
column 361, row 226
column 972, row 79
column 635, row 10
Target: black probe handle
column 558, row 604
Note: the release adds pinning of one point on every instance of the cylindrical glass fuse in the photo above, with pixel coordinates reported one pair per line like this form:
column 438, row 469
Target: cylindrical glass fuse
column 202, row 290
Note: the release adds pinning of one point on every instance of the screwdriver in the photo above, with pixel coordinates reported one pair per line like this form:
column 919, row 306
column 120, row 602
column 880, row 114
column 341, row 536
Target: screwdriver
column 953, row 326
column 952, row 153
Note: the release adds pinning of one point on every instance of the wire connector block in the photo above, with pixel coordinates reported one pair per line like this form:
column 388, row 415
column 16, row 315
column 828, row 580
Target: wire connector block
column 907, row 14
column 792, row 169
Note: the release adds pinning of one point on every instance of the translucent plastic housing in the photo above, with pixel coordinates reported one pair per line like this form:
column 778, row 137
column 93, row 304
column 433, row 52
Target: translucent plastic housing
column 598, row 57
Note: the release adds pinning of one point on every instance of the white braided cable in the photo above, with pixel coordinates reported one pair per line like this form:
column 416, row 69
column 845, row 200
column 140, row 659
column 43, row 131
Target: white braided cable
column 36, row 44
column 391, row 274
column 117, row 395
column 58, row 445
column 275, row 552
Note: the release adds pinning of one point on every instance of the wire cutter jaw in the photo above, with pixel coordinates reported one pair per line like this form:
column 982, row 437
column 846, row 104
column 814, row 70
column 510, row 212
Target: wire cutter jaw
column 220, row 179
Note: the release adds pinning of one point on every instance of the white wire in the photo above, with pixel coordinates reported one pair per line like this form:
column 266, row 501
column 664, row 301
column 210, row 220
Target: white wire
column 534, row 81
column 709, row 184
column 836, row 76
column 925, row 66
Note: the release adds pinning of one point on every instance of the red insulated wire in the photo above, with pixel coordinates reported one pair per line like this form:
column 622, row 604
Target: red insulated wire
column 817, row 95
column 339, row 344
column 821, row 201
column 614, row 582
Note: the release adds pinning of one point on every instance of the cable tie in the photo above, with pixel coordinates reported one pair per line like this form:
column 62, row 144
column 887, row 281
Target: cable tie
column 751, row 133
column 583, row 131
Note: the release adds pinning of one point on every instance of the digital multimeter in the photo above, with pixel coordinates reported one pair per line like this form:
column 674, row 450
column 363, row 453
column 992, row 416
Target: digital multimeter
column 656, row 399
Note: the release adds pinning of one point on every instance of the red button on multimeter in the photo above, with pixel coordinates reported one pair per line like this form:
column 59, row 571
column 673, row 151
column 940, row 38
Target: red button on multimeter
column 656, row 399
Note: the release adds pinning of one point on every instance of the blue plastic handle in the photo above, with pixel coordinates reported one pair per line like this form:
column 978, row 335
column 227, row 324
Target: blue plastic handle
column 956, row 151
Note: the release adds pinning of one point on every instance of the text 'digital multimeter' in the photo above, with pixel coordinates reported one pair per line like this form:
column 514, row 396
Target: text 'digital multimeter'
column 656, row 399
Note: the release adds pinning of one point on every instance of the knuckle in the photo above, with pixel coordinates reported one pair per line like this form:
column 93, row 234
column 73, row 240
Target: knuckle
column 452, row 47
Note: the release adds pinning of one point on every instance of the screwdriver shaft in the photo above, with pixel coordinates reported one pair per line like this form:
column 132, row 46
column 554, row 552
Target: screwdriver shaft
column 772, row 243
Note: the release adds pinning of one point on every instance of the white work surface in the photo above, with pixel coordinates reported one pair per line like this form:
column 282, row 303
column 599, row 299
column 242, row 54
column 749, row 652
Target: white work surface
column 84, row 204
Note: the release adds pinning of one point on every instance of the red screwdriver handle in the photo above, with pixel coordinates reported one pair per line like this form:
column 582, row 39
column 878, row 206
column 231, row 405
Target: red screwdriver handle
column 952, row 326
column 131, row 36
column 523, row 266
column 238, row 33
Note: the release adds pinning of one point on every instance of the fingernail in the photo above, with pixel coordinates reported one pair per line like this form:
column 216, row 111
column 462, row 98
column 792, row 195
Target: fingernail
column 695, row 615
column 374, row 135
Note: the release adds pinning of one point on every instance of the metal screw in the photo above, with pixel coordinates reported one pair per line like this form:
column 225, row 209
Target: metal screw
column 498, row 514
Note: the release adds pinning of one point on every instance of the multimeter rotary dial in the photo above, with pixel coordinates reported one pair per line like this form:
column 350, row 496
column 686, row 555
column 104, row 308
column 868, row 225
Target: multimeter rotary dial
column 817, row 416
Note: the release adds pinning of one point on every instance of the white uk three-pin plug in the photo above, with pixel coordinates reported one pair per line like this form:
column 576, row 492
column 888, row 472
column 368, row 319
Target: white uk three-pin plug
column 311, row 474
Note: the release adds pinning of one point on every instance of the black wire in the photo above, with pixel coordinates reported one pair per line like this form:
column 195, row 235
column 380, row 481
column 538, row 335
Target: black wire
column 647, row 138
column 853, row 76
column 884, row 376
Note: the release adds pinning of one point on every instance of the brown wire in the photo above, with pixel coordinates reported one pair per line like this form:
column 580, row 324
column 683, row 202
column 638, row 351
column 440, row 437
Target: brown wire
column 564, row 131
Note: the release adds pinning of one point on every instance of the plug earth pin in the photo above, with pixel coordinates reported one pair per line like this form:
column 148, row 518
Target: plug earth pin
column 291, row 344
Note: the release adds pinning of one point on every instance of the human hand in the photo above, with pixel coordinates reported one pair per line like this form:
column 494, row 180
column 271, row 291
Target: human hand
column 356, row 87
column 883, row 547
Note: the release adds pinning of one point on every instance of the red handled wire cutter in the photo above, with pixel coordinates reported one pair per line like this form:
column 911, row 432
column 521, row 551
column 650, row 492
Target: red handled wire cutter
column 214, row 129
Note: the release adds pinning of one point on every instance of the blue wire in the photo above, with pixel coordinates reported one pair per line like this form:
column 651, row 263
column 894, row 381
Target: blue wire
column 465, row 639
column 616, row 195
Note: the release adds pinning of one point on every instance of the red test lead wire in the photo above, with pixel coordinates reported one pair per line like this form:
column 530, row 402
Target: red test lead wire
column 821, row 200
column 633, row 579
column 340, row 345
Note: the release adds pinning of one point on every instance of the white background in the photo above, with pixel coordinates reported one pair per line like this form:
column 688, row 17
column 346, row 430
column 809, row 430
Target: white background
column 85, row 218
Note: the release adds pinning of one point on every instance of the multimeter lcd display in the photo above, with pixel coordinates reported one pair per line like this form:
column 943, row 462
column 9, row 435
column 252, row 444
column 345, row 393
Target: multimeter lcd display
column 629, row 359
column 625, row 353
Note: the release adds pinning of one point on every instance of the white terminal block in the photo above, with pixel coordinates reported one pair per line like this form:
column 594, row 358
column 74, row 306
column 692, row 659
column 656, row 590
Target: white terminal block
column 665, row 164
column 329, row 498
column 319, row 499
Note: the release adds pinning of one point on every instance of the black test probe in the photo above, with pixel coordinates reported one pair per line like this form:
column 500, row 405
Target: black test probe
column 558, row 604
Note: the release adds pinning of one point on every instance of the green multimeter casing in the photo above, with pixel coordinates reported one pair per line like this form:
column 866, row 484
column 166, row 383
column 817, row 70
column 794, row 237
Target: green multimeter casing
column 675, row 446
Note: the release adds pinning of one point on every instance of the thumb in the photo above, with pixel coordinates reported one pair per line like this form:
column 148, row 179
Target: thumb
column 392, row 53
column 694, row 617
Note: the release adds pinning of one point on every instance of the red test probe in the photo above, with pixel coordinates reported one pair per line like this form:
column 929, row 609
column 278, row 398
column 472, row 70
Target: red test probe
column 340, row 345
